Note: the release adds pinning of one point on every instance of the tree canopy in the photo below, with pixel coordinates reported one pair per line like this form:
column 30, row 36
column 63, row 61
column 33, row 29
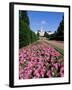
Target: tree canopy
column 26, row 35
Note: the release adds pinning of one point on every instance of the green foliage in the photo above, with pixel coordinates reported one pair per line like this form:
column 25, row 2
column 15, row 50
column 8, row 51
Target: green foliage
column 23, row 16
column 26, row 36
column 46, row 35
column 38, row 34
column 59, row 50
column 33, row 36
column 51, row 37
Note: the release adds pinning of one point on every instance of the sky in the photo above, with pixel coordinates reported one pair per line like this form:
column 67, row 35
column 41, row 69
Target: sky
column 47, row 21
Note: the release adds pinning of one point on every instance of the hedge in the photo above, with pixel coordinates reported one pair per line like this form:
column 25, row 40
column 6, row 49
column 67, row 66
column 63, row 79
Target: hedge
column 26, row 36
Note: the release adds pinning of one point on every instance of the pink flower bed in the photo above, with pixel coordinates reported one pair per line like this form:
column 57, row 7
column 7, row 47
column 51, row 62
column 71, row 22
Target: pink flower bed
column 40, row 61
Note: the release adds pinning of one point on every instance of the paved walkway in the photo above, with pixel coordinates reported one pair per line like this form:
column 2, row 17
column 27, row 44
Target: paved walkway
column 59, row 44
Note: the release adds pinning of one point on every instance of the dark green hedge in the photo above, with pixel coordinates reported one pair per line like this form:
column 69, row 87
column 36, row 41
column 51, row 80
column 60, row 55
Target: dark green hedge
column 26, row 35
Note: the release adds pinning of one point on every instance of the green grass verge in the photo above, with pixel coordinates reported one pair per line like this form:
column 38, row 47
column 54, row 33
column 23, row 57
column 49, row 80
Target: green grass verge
column 59, row 50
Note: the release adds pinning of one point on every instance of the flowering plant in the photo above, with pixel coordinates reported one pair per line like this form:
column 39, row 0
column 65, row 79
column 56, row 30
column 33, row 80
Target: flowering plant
column 40, row 61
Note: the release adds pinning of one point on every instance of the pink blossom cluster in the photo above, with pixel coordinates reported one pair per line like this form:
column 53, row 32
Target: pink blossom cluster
column 40, row 61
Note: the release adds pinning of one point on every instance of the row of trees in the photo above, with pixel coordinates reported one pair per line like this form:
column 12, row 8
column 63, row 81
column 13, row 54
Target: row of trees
column 58, row 34
column 26, row 35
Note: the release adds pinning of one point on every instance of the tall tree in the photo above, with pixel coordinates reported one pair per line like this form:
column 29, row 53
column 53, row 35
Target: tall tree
column 46, row 35
column 23, row 16
column 26, row 35
column 60, row 30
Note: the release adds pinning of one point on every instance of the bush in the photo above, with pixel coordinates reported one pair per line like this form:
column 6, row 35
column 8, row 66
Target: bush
column 24, row 34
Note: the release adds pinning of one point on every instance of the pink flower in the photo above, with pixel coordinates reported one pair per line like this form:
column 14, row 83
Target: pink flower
column 36, row 73
column 55, row 65
column 49, row 73
column 42, row 72
column 55, row 54
column 62, row 71
column 36, row 61
column 52, row 68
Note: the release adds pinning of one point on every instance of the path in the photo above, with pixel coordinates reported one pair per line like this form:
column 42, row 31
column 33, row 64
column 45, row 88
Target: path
column 59, row 44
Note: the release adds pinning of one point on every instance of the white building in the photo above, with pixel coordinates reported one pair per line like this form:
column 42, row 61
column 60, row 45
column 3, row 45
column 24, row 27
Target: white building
column 49, row 32
column 41, row 32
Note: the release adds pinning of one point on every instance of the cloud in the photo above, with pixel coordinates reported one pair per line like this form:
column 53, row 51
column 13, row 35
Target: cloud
column 43, row 22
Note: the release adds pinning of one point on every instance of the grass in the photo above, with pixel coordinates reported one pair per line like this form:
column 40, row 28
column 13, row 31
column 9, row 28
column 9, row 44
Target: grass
column 59, row 50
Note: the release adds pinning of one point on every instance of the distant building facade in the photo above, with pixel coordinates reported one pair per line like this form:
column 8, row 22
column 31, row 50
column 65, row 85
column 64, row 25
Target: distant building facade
column 49, row 32
column 41, row 32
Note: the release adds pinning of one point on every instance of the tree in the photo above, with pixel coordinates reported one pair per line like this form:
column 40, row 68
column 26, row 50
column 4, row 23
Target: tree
column 46, row 35
column 23, row 16
column 60, row 30
column 38, row 34
column 26, row 35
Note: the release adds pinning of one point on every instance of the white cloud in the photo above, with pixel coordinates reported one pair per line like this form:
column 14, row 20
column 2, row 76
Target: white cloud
column 43, row 22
